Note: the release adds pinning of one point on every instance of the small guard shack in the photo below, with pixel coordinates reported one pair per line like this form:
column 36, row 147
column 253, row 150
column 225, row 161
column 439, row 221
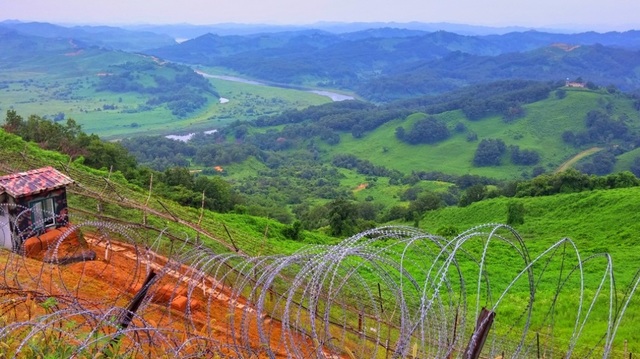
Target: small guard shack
column 31, row 203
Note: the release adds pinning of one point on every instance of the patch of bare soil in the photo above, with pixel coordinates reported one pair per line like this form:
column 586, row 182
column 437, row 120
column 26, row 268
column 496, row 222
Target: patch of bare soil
column 570, row 162
column 565, row 47
column 361, row 186
column 186, row 307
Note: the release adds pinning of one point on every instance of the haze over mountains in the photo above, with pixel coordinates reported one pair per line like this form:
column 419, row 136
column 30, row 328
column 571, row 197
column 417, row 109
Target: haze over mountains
column 377, row 63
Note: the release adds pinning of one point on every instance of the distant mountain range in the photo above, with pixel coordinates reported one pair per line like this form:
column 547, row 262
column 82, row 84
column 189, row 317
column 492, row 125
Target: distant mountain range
column 378, row 61
column 186, row 31
column 388, row 63
column 103, row 36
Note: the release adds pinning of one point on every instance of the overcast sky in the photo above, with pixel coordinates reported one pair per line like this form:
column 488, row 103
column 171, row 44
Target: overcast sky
column 594, row 14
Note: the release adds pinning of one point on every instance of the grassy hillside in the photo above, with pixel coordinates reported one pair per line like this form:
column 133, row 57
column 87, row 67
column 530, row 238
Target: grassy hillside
column 126, row 203
column 598, row 222
column 63, row 79
column 540, row 130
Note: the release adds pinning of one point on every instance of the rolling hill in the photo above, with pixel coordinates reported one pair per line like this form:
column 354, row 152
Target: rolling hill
column 194, row 255
column 115, row 93
column 371, row 132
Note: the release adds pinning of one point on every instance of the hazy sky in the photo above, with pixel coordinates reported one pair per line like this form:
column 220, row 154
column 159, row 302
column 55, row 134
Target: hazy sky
column 595, row 14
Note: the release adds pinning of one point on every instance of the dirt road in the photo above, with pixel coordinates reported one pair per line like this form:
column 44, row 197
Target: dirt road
column 570, row 162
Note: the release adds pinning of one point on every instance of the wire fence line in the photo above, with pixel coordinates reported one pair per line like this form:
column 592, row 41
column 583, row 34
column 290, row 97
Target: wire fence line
column 366, row 297
column 390, row 292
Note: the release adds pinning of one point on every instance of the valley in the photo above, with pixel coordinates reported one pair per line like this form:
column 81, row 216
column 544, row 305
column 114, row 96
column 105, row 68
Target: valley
column 342, row 193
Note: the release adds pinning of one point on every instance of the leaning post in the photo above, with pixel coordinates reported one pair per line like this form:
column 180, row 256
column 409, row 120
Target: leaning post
column 483, row 325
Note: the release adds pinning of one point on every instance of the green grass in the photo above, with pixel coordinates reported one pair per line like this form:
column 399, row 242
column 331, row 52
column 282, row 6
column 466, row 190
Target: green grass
column 539, row 130
column 625, row 160
column 599, row 221
column 46, row 86
column 248, row 102
column 378, row 190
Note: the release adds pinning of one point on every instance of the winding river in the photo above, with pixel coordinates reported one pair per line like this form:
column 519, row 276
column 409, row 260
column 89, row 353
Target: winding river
column 334, row 96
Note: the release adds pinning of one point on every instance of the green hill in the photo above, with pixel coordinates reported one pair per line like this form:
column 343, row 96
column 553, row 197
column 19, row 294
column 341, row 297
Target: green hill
column 606, row 221
column 125, row 202
column 116, row 94
column 597, row 221
column 540, row 130
column 288, row 162
column 552, row 126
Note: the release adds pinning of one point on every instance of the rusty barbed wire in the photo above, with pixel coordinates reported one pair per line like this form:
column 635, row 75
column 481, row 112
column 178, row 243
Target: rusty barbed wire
column 393, row 292
column 387, row 292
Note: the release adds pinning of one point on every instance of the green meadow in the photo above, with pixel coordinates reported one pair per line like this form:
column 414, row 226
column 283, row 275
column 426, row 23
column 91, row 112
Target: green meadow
column 66, row 84
column 606, row 221
column 540, row 130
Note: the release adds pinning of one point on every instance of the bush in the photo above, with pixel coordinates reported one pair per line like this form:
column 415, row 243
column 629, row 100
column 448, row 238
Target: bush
column 448, row 231
column 489, row 153
column 524, row 157
column 428, row 130
column 515, row 213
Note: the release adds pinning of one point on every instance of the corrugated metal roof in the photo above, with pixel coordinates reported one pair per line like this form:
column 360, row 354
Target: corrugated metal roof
column 33, row 182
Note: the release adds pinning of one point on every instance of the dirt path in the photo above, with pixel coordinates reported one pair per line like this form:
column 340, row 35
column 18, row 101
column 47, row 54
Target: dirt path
column 570, row 162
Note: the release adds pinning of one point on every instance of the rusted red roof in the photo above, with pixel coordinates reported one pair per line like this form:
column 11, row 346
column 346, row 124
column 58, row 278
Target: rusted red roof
column 33, row 182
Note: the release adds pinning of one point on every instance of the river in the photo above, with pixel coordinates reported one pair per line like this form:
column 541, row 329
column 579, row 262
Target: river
column 334, row 96
column 187, row 137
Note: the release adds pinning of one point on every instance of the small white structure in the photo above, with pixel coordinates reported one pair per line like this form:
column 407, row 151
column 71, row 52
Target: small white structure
column 32, row 203
column 5, row 230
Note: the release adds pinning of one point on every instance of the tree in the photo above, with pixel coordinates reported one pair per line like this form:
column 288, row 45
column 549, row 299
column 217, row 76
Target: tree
column 515, row 213
column 460, row 127
column 342, row 217
column 473, row 194
column 601, row 164
column 569, row 137
column 13, row 122
column 357, row 131
column 107, row 154
column 397, row 212
column 218, row 193
column 427, row 201
column 524, row 157
column 513, row 112
column 293, row 231
column 178, row 176
column 427, row 130
column 489, row 152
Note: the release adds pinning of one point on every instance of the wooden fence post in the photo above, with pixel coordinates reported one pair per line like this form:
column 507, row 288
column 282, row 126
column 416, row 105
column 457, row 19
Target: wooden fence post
column 483, row 325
